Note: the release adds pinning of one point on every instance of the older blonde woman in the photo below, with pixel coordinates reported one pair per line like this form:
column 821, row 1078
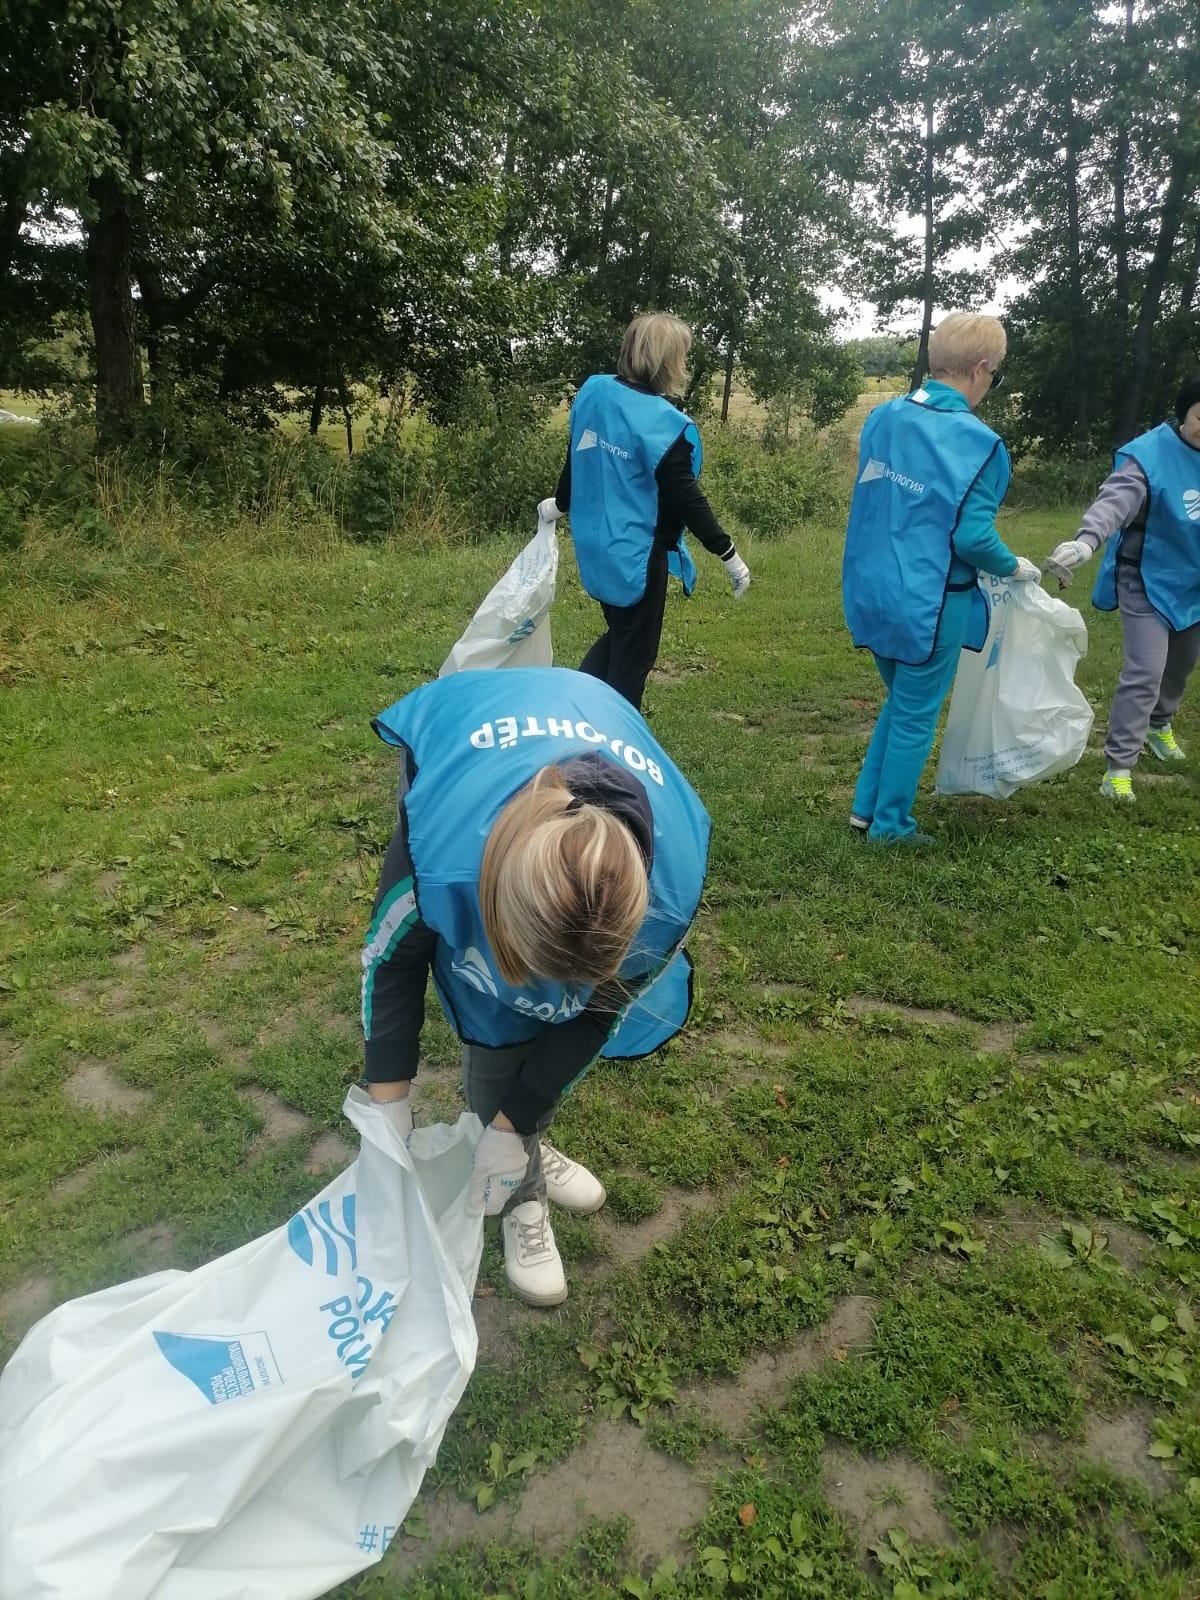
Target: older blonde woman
column 630, row 484
column 922, row 527
column 547, row 862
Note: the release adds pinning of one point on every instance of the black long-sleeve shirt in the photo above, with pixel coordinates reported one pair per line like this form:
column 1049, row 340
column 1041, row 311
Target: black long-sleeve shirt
column 682, row 503
column 399, row 951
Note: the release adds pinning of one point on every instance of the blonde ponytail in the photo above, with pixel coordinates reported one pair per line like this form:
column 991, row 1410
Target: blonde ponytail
column 563, row 887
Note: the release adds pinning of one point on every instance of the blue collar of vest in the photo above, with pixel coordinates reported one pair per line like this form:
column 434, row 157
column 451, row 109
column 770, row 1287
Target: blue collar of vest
column 942, row 396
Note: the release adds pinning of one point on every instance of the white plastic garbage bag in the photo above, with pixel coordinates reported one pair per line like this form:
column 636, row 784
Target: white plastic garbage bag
column 1015, row 714
column 512, row 626
column 256, row 1429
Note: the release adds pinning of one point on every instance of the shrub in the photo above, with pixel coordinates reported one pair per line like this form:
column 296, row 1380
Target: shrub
column 14, row 507
column 768, row 492
column 500, row 457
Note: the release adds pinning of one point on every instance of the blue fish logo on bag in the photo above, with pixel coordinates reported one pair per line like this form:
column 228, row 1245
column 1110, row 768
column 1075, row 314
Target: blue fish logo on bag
column 313, row 1232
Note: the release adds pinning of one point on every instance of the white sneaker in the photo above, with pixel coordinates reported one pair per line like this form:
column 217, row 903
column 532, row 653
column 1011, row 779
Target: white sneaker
column 532, row 1263
column 569, row 1185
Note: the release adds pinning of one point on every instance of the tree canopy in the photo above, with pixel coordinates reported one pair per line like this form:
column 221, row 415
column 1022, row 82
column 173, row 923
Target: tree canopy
column 254, row 199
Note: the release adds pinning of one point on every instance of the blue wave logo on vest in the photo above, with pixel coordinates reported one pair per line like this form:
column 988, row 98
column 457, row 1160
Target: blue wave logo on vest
column 473, row 969
column 319, row 1240
column 1191, row 504
column 222, row 1368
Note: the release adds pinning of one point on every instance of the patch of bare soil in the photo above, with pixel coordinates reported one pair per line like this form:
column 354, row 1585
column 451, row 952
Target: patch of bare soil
column 154, row 1248
column 614, row 1473
column 767, row 1377
column 994, row 1038
column 1122, row 1443
column 76, row 1182
column 627, row 1242
column 95, row 1086
column 735, row 1043
column 672, row 672
column 329, row 1151
column 280, row 1121
column 21, row 1306
column 877, row 1494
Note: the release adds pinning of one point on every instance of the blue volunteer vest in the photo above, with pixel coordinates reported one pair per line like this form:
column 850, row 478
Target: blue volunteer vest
column 916, row 466
column 618, row 437
column 478, row 737
column 1170, row 560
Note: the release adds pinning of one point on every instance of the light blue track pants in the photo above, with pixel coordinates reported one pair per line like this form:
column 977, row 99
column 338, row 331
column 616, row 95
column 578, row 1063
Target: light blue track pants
column 905, row 729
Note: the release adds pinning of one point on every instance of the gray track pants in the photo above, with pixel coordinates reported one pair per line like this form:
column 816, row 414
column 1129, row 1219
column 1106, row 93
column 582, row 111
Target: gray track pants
column 487, row 1074
column 1158, row 662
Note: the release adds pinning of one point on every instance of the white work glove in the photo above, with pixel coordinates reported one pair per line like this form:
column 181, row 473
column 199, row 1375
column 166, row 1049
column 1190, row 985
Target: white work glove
column 500, row 1165
column 739, row 573
column 548, row 510
column 1026, row 572
column 1061, row 563
column 397, row 1113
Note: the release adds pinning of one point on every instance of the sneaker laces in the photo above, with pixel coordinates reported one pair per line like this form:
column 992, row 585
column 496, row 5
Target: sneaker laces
column 533, row 1238
column 555, row 1165
column 1165, row 737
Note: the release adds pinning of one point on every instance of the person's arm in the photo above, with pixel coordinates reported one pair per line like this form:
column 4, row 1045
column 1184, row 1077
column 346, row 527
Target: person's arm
column 397, row 955
column 1120, row 500
column 558, row 1055
column 682, row 503
column 975, row 539
column 562, row 495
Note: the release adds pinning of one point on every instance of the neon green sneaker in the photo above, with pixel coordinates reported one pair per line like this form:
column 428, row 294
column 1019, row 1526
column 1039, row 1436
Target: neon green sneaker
column 1118, row 786
column 1161, row 742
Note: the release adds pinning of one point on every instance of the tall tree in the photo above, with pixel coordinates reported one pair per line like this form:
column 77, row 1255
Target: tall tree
column 172, row 128
column 907, row 70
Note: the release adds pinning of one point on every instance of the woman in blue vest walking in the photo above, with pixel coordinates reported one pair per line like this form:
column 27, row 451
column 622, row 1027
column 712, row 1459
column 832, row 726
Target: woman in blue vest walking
column 931, row 477
column 630, row 484
column 1151, row 573
column 547, row 863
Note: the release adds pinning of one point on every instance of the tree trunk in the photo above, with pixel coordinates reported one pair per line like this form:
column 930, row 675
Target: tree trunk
column 1187, row 295
column 922, row 362
column 1121, row 168
column 504, row 239
column 1080, row 352
column 1185, row 165
column 728, row 382
column 110, row 302
column 318, row 408
column 347, row 416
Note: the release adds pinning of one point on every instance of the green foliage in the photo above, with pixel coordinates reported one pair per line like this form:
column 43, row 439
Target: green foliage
column 683, row 1432
column 768, row 493
column 884, row 355
column 499, row 1470
column 385, row 482
column 194, row 809
column 14, row 507
column 631, row 1374
column 499, row 456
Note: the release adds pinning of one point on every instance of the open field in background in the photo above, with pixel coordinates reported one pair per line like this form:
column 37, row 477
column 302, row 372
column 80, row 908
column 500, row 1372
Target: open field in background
column 743, row 411
column 901, row 1263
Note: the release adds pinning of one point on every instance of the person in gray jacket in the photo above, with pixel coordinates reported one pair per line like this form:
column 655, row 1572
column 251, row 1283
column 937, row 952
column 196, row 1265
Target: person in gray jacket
column 1152, row 500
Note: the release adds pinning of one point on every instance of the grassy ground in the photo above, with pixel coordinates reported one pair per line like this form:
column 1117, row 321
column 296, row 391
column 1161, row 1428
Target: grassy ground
column 901, row 1260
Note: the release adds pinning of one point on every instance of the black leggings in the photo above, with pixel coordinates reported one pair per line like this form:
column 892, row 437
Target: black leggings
column 624, row 653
